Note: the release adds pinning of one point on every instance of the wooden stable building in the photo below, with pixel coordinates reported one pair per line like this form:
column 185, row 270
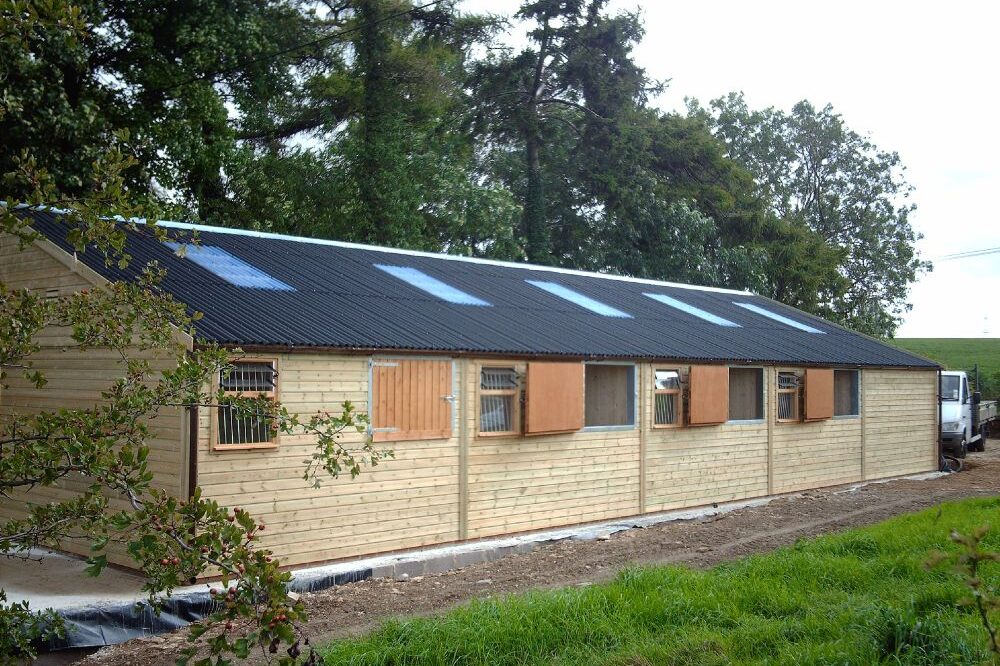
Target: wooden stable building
column 515, row 397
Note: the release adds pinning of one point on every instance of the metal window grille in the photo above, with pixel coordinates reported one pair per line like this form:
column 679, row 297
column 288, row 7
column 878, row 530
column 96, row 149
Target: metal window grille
column 666, row 397
column 788, row 396
column 497, row 400
column 246, row 379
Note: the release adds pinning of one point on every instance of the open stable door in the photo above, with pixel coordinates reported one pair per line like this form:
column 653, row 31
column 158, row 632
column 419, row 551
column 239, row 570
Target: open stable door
column 818, row 394
column 411, row 399
column 708, row 402
column 553, row 398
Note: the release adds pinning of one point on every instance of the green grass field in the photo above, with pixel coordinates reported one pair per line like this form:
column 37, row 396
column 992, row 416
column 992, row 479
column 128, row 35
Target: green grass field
column 859, row 597
column 962, row 354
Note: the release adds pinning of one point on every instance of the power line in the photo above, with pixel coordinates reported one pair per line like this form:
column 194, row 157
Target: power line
column 296, row 47
column 970, row 253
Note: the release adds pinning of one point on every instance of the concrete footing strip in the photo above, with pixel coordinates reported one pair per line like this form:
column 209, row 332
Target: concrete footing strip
column 96, row 622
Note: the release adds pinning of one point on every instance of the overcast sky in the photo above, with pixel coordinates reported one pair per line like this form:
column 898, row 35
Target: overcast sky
column 917, row 78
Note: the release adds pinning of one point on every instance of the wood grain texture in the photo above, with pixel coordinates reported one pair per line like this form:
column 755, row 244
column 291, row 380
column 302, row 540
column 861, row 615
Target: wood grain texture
column 554, row 398
column 76, row 379
column 818, row 394
column 411, row 399
column 900, row 421
column 709, row 395
column 408, row 501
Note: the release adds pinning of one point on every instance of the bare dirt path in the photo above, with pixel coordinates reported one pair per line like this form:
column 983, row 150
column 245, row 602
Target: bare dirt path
column 357, row 607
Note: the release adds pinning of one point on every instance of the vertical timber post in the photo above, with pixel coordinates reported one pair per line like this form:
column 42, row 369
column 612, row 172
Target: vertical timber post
column 465, row 409
column 645, row 379
column 770, row 413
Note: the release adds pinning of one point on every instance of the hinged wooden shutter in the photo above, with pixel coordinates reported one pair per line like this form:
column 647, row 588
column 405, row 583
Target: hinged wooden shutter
column 818, row 394
column 410, row 400
column 709, row 395
column 553, row 398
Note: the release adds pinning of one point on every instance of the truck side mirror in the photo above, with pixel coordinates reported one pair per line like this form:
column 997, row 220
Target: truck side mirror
column 977, row 397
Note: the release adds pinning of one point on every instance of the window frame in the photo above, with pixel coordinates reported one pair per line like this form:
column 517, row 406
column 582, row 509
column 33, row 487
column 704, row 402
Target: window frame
column 763, row 395
column 632, row 397
column 679, row 405
column 857, row 385
column 516, row 392
column 796, row 400
column 274, row 395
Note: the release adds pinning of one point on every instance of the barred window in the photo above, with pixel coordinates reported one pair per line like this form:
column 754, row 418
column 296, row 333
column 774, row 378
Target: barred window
column 788, row 396
column 237, row 428
column 498, row 404
column 666, row 398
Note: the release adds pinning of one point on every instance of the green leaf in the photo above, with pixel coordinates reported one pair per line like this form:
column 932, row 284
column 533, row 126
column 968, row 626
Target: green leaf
column 95, row 565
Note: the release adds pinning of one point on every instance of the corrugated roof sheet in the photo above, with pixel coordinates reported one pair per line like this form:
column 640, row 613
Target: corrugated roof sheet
column 342, row 300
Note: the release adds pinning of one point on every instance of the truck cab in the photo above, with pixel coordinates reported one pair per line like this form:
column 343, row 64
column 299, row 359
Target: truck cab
column 956, row 412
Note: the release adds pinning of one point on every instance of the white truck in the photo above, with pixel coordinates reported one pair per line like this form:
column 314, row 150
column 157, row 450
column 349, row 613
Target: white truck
column 965, row 417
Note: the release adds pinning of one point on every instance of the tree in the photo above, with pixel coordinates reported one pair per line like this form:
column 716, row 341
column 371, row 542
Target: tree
column 817, row 174
column 555, row 105
column 170, row 539
column 174, row 75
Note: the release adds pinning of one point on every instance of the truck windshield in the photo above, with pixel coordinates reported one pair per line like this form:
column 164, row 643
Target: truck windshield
column 949, row 387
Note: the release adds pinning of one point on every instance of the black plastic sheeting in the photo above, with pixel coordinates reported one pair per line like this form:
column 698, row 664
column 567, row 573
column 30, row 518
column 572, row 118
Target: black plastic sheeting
column 109, row 624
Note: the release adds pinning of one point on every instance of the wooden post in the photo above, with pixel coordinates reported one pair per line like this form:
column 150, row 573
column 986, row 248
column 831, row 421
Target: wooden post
column 771, row 413
column 466, row 409
column 861, row 416
column 644, row 393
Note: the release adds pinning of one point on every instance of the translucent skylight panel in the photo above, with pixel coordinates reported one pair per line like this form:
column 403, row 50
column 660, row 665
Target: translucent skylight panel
column 431, row 285
column 777, row 317
column 231, row 269
column 579, row 299
column 692, row 310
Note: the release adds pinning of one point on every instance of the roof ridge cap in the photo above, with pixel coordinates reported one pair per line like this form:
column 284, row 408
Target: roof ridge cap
column 445, row 257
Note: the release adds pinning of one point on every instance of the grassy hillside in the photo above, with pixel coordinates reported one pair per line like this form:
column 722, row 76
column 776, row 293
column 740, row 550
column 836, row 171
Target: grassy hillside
column 962, row 354
column 859, row 597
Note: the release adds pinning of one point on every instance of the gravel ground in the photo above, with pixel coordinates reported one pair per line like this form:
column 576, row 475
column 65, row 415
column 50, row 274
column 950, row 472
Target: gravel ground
column 355, row 608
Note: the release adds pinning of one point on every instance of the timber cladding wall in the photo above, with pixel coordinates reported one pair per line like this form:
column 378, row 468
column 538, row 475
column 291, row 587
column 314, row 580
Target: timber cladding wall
column 900, row 422
column 690, row 466
column 406, row 502
column 816, row 453
column 75, row 381
column 472, row 484
column 518, row 483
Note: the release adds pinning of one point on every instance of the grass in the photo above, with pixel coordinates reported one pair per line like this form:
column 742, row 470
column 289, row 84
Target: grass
column 962, row 354
column 858, row 597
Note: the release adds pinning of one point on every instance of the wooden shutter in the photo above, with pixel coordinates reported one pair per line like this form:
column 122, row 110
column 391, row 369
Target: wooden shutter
column 709, row 398
column 819, row 394
column 553, row 398
column 410, row 400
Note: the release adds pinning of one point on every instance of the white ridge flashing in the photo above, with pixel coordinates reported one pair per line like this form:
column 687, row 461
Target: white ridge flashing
column 446, row 257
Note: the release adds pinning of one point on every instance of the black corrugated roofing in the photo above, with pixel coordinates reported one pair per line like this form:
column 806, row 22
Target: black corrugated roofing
column 341, row 300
